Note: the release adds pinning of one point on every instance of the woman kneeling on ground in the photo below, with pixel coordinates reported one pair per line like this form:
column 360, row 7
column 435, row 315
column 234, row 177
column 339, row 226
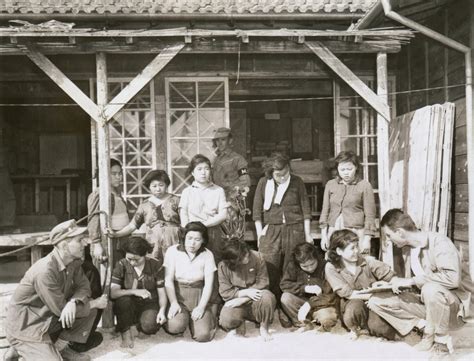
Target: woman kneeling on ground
column 243, row 284
column 138, row 292
column 189, row 276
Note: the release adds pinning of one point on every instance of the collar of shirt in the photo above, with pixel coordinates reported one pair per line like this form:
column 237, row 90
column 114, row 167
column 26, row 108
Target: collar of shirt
column 360, row 263
column 58, row 258
column 200, row 186
column 356, row 180
column 226, row 151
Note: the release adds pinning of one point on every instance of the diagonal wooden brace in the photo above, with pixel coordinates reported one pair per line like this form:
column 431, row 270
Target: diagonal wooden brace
column 137, row 84
column 62, row 81
column 350, row 78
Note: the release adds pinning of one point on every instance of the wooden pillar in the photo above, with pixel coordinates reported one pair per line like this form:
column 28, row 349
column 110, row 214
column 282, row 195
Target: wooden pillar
column 383, row 152
column 469, row 56
column 103, row 151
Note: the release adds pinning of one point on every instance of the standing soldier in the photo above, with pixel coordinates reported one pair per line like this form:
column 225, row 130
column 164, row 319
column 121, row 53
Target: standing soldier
column 229, row 168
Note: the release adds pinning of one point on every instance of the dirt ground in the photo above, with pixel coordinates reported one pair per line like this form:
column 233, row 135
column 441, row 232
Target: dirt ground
column 286, row 345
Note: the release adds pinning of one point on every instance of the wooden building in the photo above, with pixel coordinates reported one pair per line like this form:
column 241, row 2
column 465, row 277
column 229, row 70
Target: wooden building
column 147, row 82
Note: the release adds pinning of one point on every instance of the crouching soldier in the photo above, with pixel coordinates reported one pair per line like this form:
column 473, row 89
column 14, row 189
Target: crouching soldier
column 51, row 306
column 307, row 297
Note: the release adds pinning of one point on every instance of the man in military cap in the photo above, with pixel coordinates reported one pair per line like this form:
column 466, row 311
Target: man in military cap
column 51, row 306
column 229, row 168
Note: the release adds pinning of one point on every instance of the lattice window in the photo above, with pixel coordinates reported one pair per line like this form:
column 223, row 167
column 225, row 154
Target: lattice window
column 355, row 125
column 132, row 138
column 195, row 107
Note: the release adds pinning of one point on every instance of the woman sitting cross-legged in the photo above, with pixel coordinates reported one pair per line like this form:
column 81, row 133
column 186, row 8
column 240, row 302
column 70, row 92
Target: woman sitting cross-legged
column 243, row 284
column 189, row 276
column 348, row 274
column 138, row 292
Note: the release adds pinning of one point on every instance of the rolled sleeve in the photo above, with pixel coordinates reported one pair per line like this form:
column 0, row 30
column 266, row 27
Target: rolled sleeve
column 380, row 270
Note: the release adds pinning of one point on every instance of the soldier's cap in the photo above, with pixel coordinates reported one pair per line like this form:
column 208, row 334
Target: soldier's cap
column 64, row 230
column 221, row 133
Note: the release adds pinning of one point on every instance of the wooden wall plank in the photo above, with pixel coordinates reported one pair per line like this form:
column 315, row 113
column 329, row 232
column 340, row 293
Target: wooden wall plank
column 461, row 197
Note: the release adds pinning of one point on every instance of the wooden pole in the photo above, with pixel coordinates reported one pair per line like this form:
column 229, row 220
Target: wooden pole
column 383, row 153
column 104, row 170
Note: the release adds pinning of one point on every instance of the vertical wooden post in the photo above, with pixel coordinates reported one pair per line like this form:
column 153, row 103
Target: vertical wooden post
column 469, row 58
column 383, row 152
column 104, row 168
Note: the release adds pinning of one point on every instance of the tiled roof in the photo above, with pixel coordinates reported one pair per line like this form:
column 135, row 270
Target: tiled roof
column 183, row 6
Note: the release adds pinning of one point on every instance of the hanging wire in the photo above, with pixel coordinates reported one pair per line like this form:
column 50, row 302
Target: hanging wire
column 239, row 101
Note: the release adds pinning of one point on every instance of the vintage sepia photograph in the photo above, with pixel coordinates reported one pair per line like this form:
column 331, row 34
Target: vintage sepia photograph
column 236, row 180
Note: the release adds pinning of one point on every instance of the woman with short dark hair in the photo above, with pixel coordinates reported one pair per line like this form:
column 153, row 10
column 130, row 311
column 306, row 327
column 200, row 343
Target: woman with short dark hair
column 138, row 292
column 189, row 277
column 282, row 217
column 348, row 203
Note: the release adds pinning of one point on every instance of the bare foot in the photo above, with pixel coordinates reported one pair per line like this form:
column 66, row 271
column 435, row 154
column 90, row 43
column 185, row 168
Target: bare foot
column 264, row 334
column 353, row 335
column 127, row 339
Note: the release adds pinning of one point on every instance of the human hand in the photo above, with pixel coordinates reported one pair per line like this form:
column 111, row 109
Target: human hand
column 303, row 311
column 365, row 245
column 142, row 293
column 175, row 308
column 161, row 317
column 398, row 283
column 100, row 302
column 314, row 289
column 68, row 315
column 253, row 294
column 197, row 313
column 110, row 233
column 236, row 302
column 98, row 251
column 324, row 239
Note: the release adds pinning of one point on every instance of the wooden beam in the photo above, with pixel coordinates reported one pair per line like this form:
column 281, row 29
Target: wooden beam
column 63, row 82
column 397, row 34
column 350, row 78
column 383, row 166
column 137, row 84
column 203, row 46
column 104, row 174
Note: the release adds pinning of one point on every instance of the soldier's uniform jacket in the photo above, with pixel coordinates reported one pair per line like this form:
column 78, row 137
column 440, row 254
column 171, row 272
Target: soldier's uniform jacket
column 229, row 170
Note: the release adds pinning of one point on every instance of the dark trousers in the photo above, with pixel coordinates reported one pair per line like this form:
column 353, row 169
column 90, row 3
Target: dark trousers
column 135, row 311
column 356, row 315
column 256, row 311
